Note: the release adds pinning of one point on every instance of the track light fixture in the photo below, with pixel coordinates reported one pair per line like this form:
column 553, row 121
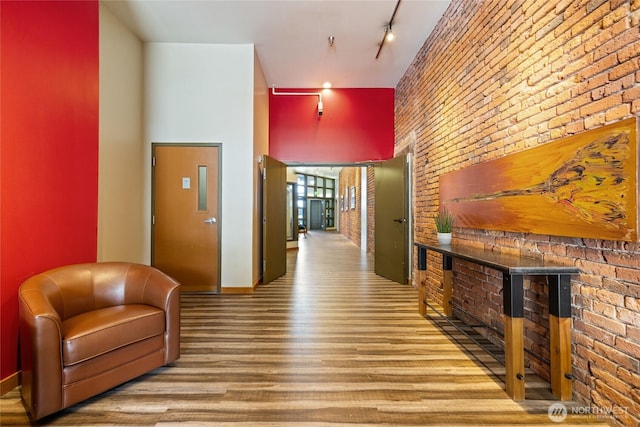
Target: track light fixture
column 388, row 33
column 389, row 36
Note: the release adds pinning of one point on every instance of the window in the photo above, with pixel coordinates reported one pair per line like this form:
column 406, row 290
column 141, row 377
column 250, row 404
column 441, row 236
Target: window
column 315, row 187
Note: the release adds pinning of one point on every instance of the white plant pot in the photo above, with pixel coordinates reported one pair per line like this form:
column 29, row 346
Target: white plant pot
column 444, row 238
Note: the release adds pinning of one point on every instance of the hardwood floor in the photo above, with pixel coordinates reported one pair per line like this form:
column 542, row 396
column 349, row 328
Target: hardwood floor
column 330, row 343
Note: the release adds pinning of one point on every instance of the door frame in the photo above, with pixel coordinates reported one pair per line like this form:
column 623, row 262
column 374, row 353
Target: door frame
column 219, row 217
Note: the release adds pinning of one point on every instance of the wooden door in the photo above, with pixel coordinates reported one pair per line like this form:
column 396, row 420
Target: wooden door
column 274, row 211
column 391, row 231
column 186, row 220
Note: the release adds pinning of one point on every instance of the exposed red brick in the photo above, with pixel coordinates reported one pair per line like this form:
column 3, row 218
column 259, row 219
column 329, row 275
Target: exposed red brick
column 600, row 66
column 626, row 68
column 618, row 112
column 596, row 268
column 595, row 120
column 585, row 22
column 632, row 304
column 350, row 219
column 548, row 70
column 606, row 310
column 609, row 327
column 632, row 378
column 588, row 279
column 630, row 274
column 623, row 359
column 627, row 407
column 607, row 296
column 601, row 105
column 630, row 317
column 593, row 358
column 611, row 380
column 627, row 346
column 633, row 332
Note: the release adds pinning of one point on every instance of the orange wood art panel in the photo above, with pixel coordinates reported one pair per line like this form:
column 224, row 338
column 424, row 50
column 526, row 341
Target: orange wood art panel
column 584, row 185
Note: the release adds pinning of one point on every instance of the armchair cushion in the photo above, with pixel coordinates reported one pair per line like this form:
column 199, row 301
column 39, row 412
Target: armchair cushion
column 92, row 334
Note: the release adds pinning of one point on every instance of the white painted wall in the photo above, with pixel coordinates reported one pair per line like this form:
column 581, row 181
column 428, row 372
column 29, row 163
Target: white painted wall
column 120, row 180
column 205, row 93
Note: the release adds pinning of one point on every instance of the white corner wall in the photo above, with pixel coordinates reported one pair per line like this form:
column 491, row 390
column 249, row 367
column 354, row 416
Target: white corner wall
column 120, row 180
column 198, row 93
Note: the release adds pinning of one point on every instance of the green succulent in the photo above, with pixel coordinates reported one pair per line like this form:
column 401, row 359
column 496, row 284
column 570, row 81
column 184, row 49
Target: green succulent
column 444, row 221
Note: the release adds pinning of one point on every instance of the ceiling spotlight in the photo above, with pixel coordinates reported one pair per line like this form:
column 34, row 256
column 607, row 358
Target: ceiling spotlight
column 326, row 85
column 389, row 34
column 331, row 41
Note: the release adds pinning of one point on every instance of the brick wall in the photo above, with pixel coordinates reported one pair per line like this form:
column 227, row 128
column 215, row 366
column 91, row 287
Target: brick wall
column 371, row 205
column 498, row 77
column 350, row 218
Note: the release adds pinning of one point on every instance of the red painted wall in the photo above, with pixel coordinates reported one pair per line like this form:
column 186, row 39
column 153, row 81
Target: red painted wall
column 356, row 125
column 48, row 144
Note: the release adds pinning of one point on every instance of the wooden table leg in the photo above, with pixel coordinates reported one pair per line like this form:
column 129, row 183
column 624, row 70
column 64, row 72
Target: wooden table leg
column 422, row 293
column 513, row 297
column 560, row 335
column 560, row 348
column 447, row 292
column 514, row 357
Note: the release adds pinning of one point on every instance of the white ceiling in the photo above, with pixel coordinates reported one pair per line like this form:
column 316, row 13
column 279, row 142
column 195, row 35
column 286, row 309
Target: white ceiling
column 291, row 37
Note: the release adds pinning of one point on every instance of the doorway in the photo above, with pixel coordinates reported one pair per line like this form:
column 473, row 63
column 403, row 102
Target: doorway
column 316, row 214
column 185, row 235
column 347, row 204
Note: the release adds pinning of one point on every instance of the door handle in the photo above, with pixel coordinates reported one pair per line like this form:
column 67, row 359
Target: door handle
column 400, row 220
column 210, row 220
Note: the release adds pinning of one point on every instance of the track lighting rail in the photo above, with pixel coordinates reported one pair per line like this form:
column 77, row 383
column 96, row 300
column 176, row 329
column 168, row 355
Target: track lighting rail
column 388, row 30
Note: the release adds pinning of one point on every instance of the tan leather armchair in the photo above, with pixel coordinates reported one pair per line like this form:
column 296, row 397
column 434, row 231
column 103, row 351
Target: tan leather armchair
column 86, row 328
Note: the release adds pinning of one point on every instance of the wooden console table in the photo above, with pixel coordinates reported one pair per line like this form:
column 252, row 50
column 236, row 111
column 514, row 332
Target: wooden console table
column 513, row 269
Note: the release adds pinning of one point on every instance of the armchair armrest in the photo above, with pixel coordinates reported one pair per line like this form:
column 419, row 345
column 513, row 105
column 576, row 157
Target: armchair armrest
column 167, row 290
column 162, row 291
column 40, row 328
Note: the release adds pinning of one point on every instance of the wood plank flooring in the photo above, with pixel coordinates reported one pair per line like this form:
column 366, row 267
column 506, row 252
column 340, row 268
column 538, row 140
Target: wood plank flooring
column 330, row 343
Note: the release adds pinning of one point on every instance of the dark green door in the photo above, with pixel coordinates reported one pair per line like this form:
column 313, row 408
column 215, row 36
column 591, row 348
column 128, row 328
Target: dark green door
column 391, row 233
column 274, row 211
column 316, row 217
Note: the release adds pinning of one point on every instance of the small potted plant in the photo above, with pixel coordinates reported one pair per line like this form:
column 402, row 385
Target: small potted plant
column 444, row 224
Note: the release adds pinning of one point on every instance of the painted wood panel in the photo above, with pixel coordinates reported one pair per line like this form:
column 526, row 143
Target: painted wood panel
column 585, row 185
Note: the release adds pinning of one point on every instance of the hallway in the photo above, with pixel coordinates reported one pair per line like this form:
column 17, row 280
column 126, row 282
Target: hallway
column 330, row 343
